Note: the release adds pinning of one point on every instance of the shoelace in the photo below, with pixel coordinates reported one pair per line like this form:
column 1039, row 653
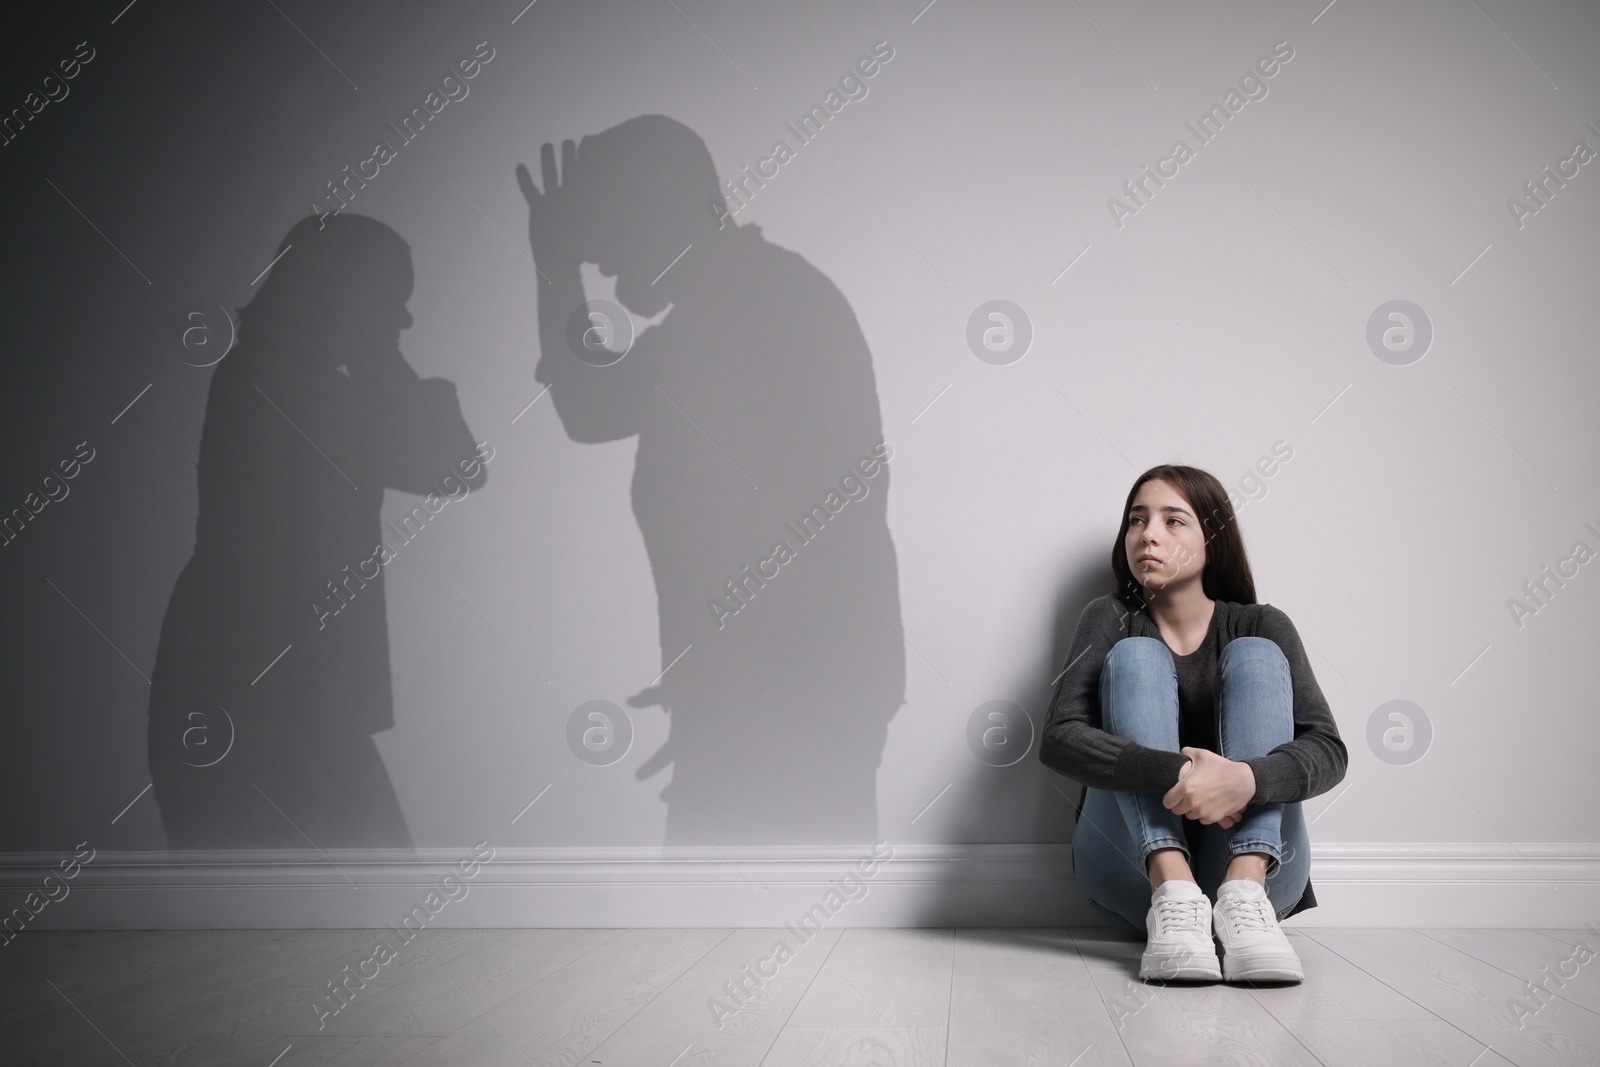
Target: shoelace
column 1180, row 914
column 1244, row 914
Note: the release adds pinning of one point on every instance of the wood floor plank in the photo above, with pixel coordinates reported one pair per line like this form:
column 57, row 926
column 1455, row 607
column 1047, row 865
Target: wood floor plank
column 1213, row 1023
column 1334, row 988
column 218, row 1030
column 693, row 1023
column 478, row 1044
column 1591, row 937
column 56, row 1037
column 424, row 951
column 563, row 1016
column 1471, row 995
column 95, row 1053
column 1023, row 997
column 858, row 1046
column 882, row 977
column 1413, row 1042
column 1104, row 949
column 106, row 961
column 64, row 947
column 1571, row 972
column 852, row 996
column 747, row 946
column 448, row 996
column 220, row 967
column 345, row 1050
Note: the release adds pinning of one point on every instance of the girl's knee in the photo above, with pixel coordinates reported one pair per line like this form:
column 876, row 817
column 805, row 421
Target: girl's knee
column 1138, row 656
column 1138, row 648
column 1254, row 650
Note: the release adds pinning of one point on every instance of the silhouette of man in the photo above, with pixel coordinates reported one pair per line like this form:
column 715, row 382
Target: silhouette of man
column 753, row 401
column 272, row 671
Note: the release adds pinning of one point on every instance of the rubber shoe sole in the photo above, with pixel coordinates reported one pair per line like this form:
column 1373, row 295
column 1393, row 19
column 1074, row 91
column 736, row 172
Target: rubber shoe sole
column 1178, row 963
column 1263, row 966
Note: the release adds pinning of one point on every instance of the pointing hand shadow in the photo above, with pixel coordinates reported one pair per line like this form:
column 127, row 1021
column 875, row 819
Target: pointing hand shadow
column 653, row 695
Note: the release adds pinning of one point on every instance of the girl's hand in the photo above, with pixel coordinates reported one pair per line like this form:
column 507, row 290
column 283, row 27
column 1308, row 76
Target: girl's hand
column 1211, row 788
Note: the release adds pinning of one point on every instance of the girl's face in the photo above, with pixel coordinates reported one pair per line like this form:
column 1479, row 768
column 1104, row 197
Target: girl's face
column 366, row 318
column 1162, row 525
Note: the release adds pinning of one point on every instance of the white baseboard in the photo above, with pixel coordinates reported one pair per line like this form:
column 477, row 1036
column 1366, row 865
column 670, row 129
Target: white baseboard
column 1469, row 884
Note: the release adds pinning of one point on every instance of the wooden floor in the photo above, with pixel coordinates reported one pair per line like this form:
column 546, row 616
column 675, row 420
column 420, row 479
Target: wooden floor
column 980, row 997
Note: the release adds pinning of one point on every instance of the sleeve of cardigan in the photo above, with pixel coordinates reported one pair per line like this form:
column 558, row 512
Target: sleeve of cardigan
column 1315, row 760
column 1073, row 743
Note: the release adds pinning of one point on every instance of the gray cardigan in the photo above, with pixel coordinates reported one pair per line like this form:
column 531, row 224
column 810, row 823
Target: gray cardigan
column 1310, row 764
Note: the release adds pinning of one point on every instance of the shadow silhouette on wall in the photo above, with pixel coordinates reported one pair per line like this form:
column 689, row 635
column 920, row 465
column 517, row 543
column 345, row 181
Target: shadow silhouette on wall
column 272, row 671
column 760, row 483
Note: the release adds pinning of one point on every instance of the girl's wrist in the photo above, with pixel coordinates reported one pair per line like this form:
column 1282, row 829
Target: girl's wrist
column 1247, row 776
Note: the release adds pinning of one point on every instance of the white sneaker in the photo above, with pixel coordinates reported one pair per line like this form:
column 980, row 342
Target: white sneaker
column 1254, row 947
column 1179, row 928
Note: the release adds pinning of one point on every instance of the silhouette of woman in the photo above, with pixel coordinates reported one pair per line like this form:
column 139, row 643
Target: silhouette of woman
column 272, row 671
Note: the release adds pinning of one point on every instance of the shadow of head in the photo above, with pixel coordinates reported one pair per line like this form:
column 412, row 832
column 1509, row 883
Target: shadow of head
column 648, row 191
column 340, row 287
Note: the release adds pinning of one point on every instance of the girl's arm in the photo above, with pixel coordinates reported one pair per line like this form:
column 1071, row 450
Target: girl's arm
column 1073, row 742
column 1315, row 760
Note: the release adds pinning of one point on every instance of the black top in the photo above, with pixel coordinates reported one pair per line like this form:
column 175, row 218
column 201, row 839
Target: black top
column 1197, row 679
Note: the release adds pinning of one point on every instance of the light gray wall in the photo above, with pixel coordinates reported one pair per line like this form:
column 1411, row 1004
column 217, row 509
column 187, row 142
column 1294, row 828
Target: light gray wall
column 1230, row 313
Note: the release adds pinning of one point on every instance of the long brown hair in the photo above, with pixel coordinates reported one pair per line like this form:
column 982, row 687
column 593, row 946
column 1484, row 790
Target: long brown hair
column 1227, row 572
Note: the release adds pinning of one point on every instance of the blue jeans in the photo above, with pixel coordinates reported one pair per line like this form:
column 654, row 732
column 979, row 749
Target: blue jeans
column 1117, row 831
